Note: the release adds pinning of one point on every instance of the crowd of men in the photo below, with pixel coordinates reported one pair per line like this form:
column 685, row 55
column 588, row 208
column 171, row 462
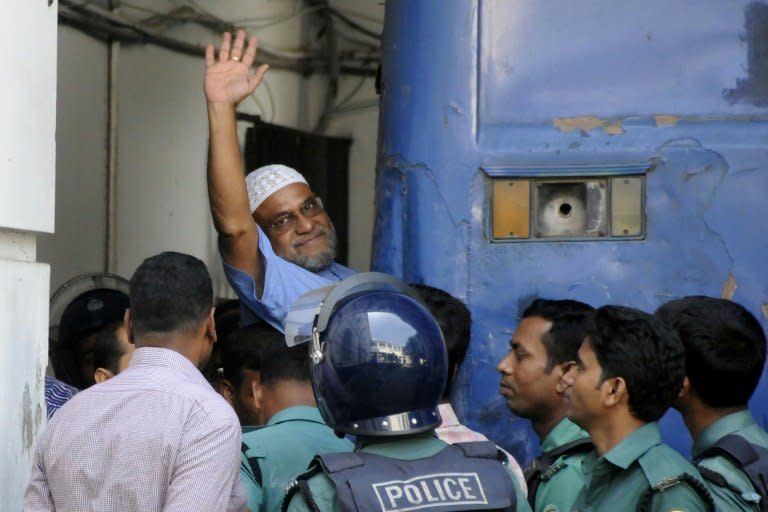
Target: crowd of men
column 359, row 418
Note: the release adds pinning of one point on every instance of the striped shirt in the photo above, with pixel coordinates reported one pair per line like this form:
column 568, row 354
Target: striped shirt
column 156, row 437
column 57, row 393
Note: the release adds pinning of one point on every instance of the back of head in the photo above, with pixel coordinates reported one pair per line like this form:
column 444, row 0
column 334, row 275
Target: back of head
column 379, row 367
column 568, row 330
column 725, row 347
column 282, row 363
column 170, row 293
column 107, row 349
column 640, row 349
column 242, row 350
column 455, row 321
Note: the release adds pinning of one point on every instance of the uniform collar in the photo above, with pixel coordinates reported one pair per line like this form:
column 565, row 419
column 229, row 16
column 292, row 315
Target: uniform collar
column 634, row 445
column 153, row 357
column 391, row 446
column 564, row 432
column 296, row 413
column 721, row 428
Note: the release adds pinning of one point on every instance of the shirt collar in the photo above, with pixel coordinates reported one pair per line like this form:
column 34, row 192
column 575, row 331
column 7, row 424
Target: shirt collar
column 564, row 432
column 297, row 412
column 153, row 357
column 634, row 445
column 721, row 428
column 396, row 446
column 448, row 415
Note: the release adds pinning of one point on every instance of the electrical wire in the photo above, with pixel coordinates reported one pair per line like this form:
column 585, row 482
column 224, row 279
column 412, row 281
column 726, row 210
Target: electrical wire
column 351, row 94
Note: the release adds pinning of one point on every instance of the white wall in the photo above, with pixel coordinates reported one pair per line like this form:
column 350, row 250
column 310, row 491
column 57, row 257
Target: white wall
column 78, row 243
column 27, row 155
column 162, row 142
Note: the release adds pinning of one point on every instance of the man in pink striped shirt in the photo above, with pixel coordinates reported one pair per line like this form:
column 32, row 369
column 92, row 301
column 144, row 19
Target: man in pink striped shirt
column 156, row 437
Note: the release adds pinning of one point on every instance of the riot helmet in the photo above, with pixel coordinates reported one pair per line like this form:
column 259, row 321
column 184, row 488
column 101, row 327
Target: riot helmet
column 378, row 358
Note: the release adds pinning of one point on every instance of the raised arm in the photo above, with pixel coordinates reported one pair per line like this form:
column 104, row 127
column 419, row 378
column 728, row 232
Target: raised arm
column 227, row 82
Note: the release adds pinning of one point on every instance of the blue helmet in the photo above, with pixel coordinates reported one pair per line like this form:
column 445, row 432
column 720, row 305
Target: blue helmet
column 379, row 362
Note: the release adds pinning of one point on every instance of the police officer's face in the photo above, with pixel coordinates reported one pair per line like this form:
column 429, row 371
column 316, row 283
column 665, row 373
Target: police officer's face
column 298, row 227
column 527, row 383
column 584, row 394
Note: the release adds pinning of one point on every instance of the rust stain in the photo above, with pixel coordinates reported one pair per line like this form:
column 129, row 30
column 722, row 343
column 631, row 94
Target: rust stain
column 666, row 120
column 569, row 124
column 614, row 128
column 729, row 287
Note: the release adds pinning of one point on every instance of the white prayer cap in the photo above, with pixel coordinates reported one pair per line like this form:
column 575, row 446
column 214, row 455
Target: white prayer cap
column 265, row 181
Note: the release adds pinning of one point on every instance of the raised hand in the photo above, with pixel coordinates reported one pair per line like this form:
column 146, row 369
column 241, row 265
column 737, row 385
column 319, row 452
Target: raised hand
column 228, row 79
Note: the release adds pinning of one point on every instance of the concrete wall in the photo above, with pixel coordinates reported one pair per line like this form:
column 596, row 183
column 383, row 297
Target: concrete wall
column 162, row 142
column 27, row 155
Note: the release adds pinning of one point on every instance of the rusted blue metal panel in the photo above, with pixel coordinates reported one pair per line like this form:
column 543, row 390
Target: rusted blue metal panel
column 677, row 88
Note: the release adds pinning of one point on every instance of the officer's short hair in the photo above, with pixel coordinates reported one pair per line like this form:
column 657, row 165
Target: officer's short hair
column 725, row 347
column 455, row 322
column 242, row 349
column 568, row 330
column 643, row 351
column 170, row 292
column 107, row 349
column 280, row 362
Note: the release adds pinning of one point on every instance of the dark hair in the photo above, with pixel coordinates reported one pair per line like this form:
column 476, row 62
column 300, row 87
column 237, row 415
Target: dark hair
column 242, row 350
column 455, row 322
column 568, row 330
column 724, row 347
column 170, row 292
column 280, row 362
column 640, row 349
column 107, row 349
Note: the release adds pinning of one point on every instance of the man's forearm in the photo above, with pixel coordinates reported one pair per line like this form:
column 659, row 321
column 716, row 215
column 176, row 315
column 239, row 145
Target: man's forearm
column 226, row 187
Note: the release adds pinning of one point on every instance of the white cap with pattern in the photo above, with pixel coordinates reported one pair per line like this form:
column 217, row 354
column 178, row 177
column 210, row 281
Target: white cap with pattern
column 265, row 181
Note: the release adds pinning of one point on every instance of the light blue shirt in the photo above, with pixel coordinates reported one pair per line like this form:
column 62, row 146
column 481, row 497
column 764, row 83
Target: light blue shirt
column 284, row 282
column 742, row 495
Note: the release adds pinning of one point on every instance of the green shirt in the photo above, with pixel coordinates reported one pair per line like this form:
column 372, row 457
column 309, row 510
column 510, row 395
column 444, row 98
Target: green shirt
column 558, row 490
column 406, row 448
column 616, row 480
column 743, row 424
column 283, row 448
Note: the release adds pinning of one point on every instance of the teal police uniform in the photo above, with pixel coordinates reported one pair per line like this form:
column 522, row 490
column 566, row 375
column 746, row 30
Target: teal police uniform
column 561, row 482
column 620, row 478
column 405, row 448
column 282, row 449
column 740, row 494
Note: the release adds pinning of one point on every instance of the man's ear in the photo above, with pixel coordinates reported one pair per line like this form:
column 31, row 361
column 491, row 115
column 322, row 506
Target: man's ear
column 255, row 393
column 210, row 326
column 102, row 374
column 227, row 390
column 614, row 391
column 685, row 390
column 128, row 323
column 560, row 370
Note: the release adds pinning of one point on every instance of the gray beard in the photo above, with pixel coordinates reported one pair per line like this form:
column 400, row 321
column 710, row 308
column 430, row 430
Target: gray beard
column 323, row 260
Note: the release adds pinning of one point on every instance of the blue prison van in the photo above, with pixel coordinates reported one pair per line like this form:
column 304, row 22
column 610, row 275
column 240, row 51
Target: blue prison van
column 610, row 152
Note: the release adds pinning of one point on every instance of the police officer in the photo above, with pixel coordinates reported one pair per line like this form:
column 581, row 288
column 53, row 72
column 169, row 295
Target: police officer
column 725, row 350
column 542, row 349
column 630, row 370
column 379, row 367
column 293, row 431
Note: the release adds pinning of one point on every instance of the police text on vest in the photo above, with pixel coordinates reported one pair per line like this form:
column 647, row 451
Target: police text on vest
column 428, row 491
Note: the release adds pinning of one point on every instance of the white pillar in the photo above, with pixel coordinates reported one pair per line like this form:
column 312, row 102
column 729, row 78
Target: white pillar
column 27, row 161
